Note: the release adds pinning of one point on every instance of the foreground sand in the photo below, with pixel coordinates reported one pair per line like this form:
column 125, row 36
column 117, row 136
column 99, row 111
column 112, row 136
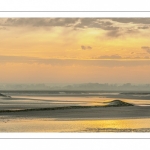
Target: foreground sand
column 102, row 119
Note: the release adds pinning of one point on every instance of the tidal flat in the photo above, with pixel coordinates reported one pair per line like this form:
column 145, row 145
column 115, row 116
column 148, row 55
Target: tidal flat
column 30, row 112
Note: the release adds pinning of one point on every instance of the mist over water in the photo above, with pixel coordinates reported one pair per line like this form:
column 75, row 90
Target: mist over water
column 75, row 87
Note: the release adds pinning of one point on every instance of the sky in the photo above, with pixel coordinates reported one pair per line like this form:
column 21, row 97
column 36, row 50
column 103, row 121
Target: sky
column 75, row 50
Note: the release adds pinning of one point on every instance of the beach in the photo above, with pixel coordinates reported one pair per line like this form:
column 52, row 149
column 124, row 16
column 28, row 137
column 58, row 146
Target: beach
column 47, row 113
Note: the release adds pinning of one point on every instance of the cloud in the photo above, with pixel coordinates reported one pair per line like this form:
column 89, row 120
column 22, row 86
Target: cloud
column 6, row 59
column 146, row 57
column 86, row 47
column 146, row 48
column 132, row 20
column 89, row 47
column 114, row 33
column 102, row 23
column 83, row 47
column 113, row 26
column 115, row 56
column 3, row 28
column 38, row 21
column 143, row 27
column 113, row 61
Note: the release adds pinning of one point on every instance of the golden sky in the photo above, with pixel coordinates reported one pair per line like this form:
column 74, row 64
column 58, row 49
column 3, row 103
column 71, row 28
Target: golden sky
column 74, row 50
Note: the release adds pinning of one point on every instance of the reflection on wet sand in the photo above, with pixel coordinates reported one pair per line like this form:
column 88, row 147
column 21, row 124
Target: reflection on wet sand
column 50, row 125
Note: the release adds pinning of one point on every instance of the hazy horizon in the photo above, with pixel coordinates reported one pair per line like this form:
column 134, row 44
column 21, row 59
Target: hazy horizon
column 77, row 87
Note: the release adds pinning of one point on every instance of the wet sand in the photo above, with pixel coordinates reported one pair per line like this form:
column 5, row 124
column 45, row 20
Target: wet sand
column 108, row 119
column 83, row 113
